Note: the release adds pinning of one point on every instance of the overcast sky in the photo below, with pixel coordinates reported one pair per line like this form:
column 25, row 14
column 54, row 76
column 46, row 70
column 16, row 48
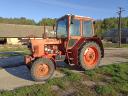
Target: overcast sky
column 38, row 9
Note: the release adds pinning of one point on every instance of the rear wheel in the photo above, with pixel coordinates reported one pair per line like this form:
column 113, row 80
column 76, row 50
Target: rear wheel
column 89, row 55
column 42, row 69
column 66, row 61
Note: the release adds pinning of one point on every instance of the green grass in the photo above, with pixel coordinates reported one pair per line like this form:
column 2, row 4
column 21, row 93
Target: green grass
column 21, row 50
column 114, row 77
column 114, row 45
column 8, row 55
column 105, row 90
column 46, row 89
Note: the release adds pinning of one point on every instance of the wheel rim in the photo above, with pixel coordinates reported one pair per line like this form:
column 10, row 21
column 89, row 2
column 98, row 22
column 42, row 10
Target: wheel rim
column 42, row 70
column 91, row 56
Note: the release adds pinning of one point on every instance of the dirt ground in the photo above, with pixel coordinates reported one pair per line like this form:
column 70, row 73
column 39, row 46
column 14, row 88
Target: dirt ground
column 115, row 55
column 12, row 77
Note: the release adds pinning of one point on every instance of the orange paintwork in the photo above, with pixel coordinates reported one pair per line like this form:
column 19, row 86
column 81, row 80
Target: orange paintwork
column 42, row 70
column 91, row 57
column 39, row 44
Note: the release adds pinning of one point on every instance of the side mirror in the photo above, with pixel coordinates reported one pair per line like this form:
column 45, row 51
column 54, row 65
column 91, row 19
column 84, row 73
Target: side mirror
column 54, row 30
column 94, row 22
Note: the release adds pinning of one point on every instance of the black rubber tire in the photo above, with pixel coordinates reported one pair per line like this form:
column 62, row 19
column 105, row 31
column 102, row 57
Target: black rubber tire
column 29, row 66
column 81, row 53
column 66, row 61
column 49, row 63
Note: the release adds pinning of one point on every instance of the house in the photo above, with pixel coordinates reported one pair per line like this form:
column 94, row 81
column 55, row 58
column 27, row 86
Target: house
column 112, row 35
column 12, row 33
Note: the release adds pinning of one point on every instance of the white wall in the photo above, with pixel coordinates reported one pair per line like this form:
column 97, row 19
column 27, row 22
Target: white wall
column 13, row 41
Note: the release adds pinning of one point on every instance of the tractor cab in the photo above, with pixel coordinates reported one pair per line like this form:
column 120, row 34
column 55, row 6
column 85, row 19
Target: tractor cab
column 74, row 27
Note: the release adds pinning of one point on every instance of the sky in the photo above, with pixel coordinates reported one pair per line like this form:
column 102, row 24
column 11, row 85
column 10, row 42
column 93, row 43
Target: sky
column 38, row 9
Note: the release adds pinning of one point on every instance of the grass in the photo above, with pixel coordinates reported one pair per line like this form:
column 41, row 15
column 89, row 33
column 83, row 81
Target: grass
column 114, row 45
column 8, row 55
column 105, row 90
column 19, row 49
column 114, row 77
column 45, row 89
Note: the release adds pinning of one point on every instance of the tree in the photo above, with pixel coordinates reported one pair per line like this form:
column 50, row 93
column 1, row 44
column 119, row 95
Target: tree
column 106, row 24
column 47, row 22
column 21, row 20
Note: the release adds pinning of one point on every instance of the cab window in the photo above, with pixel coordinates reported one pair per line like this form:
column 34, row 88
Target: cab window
column 62, row 28
column 75, row 28
column 87, row 29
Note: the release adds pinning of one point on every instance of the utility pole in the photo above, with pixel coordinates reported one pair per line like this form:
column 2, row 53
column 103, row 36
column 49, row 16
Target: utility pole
column 119, row 25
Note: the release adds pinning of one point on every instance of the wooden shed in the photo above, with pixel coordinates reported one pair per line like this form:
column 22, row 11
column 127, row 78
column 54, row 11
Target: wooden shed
column 14, row 32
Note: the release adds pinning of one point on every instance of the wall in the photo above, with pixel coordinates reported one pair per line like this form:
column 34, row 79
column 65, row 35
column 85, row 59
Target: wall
column 13, row 41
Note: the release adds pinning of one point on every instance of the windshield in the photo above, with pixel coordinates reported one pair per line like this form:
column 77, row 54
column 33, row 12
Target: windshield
column 75, row 28
column 62, row 28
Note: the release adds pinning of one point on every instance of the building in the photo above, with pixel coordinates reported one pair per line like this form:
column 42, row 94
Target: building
column 112, row 35
column 12, row 33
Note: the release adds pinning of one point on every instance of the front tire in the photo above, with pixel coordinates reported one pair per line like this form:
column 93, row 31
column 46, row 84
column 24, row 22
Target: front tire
column 42, row 69
column 89, row 55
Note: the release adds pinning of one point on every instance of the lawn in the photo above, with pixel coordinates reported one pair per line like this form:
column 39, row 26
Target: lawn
column 114, row 45
column 13, row 50
column 111, row 80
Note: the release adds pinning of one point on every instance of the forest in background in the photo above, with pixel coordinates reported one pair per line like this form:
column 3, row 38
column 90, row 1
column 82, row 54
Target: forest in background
column 101, row 26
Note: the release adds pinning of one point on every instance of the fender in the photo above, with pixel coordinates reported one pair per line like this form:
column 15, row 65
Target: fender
column 80, row 43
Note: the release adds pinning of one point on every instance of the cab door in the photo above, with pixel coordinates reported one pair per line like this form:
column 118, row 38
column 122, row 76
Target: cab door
column 75, row 32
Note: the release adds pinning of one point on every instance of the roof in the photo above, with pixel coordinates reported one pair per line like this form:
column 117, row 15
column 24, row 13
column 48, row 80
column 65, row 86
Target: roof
column 85, row 17
column 79, row 16
column 114, row 33
column 14, row 30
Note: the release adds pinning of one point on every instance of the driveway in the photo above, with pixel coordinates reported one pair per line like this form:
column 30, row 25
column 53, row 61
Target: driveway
column 115, row 55
column 12, row 77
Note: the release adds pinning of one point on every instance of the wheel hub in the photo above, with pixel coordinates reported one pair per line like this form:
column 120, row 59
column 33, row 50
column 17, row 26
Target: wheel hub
column 42, row 70
column 91, row 56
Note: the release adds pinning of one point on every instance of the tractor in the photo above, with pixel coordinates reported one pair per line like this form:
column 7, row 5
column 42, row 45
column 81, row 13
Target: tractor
column 74, row 43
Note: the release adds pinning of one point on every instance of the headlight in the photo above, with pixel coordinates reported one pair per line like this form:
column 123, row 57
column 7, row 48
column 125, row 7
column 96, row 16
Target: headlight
column 45, row 49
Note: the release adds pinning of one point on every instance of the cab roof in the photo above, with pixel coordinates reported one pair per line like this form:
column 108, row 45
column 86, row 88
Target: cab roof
column 78, row 16
column 84, row 17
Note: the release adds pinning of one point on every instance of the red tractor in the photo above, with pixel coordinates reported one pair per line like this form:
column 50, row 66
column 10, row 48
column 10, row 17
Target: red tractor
column 74, row 43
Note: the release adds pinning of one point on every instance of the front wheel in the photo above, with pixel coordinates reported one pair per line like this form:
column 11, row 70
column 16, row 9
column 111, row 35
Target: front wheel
column 89, row 55
column 42, row 69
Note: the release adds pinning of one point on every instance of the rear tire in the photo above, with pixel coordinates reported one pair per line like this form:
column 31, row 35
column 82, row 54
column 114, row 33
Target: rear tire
column 66, row 61
column 42, row 69
column 89, row 55
column 29, row 66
